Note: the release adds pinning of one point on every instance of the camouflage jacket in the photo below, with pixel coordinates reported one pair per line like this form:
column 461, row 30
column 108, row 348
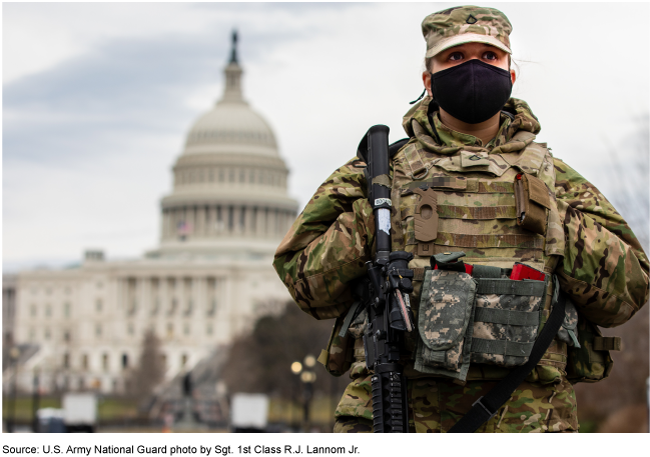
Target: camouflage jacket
column 603, row 267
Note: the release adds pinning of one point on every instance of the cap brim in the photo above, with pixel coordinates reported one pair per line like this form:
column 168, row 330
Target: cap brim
column 467, row 38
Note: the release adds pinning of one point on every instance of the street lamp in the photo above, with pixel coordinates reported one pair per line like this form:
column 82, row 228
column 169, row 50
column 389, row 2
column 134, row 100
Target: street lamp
column 35, row 401
column 296, row 369
column 14, row 353
column 308, row 378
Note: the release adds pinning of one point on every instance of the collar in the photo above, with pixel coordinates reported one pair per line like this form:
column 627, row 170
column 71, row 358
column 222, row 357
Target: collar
column 451, row 138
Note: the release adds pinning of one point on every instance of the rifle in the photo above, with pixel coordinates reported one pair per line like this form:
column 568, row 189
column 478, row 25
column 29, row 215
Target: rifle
column 389, row 283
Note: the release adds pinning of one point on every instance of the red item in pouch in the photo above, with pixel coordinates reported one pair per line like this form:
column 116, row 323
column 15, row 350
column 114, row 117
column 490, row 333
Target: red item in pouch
column 521, row 271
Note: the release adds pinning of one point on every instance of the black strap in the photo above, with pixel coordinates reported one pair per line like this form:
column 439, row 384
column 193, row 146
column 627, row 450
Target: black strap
column 488, row 405
column 396, row 146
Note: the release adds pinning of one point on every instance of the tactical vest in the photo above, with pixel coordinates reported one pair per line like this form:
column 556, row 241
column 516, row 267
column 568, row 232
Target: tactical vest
column 466, row 202
column 471, row 202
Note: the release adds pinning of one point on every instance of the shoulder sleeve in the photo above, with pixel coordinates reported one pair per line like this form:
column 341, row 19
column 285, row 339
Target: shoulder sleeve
column 604, row 270
column 328, row 245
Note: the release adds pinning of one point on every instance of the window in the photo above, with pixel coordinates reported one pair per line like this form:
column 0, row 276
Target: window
column 47, row 333
column 213, row 307
column 66, row 360
column 98, row 305
column 208, row 329
column 105, row 362
column 170, row 329
column 66, row 309
column 164, row 360
column 186, row 329
column 130, row 329
column 66, row 336
column 125, row 361
column 98, row 330
column 33, row 310
column 48, row 310
column 183, row 360
column 84, row 362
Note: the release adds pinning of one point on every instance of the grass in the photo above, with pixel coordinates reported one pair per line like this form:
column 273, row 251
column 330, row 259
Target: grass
column 107, row 408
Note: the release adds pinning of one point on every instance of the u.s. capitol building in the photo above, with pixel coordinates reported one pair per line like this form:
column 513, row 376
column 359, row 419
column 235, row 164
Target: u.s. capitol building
column 210, row 276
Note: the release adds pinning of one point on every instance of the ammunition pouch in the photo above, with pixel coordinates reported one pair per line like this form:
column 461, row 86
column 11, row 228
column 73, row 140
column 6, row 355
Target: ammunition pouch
column 532, row 203
column 337, row 357
column 445, row 323
column 591, row 361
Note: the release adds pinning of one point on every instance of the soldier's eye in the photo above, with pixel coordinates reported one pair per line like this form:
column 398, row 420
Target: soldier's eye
column 455, row 56
column 489, row 55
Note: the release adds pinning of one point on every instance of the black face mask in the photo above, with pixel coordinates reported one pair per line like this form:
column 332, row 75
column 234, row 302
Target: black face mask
column 473, row 91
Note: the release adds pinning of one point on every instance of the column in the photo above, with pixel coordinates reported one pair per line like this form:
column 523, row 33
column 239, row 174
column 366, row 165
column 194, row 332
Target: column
column 173, row 220
column 146, row 297
column 264, row 221
column 201, row 302
column 272, row 222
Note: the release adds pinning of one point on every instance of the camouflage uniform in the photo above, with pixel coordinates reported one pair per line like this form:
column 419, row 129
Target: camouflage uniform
column 584, row 241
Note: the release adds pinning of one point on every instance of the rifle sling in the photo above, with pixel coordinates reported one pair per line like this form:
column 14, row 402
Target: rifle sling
column 488, row 405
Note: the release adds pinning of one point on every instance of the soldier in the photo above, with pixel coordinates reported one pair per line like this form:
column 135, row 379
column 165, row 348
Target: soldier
column 500, row 199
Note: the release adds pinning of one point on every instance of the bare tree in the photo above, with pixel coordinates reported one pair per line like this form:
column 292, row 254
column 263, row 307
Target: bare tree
column 150, row 370
column 261, row 360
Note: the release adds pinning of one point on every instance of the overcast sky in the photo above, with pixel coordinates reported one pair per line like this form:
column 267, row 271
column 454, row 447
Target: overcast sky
column 97, row 99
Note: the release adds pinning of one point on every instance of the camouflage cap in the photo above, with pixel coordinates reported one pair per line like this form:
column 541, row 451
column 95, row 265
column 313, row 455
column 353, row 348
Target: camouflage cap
column 466, row 24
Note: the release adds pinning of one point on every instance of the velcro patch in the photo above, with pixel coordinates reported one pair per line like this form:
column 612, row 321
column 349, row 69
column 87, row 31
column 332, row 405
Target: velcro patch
column 473, row 159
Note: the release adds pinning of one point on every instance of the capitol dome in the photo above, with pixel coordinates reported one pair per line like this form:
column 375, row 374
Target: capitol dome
column 230, row 183
column 229, row 124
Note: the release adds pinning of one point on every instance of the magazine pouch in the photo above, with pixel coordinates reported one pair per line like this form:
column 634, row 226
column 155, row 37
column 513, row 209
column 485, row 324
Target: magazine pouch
column 445, row 323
